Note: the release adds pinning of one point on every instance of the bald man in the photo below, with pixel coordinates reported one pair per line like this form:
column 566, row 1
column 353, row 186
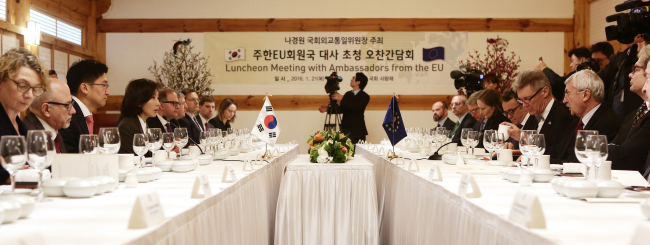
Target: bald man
column 52, row 111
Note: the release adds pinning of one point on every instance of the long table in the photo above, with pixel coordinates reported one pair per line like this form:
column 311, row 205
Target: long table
column 237, row 213
column 414, row 210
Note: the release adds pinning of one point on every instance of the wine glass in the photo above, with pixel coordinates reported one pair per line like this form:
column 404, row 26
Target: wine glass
column 538, row 144
column 88, row 143
column 204, row 140
column 472, row 139
column 109, row 139
column 168, row 143
column 180, row 138
column 597, row 150
column 488, row 136
column 499, row 141
column 140, row 145
column 581, row 148
column 525, row 144
column 463, row 137
column 13, row 150
column 40, row 154
column 153, row 136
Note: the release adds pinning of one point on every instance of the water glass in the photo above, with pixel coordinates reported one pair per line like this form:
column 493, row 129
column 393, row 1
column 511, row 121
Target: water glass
column 40, row 153
column 13, row 152
column 581, row 148
column 140, row 147
column 168, row 143
column 597, row 150
column 109, row 140
column 88, row 143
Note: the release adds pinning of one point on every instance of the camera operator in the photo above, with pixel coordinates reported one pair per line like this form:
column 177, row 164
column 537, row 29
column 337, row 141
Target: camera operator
column 353, row 106
column 601, row 52
column 578, row 56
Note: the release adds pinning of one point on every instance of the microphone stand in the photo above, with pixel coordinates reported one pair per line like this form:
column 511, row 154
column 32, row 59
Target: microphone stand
column 437, row 156
column 188, row 137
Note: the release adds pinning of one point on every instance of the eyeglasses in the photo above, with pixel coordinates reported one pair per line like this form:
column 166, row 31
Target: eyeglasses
column 24, row 88
column 68, row 106
column 456, row 104
column 527, row 101
column 576, row 92
column 193, row 100
column 512, row 111
column 100, row 84
column 174, row 103
column 475, row 110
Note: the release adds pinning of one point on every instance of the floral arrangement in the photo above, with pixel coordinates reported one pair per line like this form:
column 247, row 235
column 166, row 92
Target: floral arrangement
column 330, row 146
column 183, row 69
column 496, row 61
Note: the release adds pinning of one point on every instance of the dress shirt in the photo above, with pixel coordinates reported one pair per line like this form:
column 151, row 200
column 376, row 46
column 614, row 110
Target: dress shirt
column 193, row 117
column 460, row 119
column 524, row 121
column 544, row 115
column 143, row 124
column 356, row 91
column 441, row 123
column 47, row 127
column 83, row 107
column 483, row 123
column 589, row 114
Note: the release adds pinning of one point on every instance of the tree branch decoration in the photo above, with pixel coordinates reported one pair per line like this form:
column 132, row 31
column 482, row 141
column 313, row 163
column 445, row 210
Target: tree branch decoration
column 182, row 69
column 496, row 61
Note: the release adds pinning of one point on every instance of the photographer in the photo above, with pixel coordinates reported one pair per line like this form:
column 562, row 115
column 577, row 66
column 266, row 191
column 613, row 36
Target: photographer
column 353, row 106
column 578, row 56
column 617, row 82
column 601, row 52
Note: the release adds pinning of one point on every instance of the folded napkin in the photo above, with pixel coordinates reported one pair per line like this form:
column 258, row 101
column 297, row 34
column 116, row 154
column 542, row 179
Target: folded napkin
column 573, row 168
column 31, row 175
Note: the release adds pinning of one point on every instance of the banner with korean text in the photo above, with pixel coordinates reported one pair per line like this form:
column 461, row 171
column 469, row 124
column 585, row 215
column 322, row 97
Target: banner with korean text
column 307, row 57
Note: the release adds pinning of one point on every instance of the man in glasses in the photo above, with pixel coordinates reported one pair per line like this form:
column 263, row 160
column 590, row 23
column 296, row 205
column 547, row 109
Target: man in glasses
column 52, row 111
column 190, row 121
column 516, row 112
column 460, row 109
column 89, row 88
column 534, row 92
column 473, row 109
column 169, row 106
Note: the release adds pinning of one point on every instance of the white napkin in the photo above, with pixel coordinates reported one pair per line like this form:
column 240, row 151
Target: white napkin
column 573, row 168
column 31, row 175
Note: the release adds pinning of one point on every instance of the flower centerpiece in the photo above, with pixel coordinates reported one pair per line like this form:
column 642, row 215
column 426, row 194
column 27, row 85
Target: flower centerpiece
column 330, row 146
column 496, row 61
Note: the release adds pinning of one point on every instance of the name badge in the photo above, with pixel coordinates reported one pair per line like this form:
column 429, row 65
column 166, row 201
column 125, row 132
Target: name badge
column 147, row 211
column 201, row 183
column 527, row 211
column 467, row 181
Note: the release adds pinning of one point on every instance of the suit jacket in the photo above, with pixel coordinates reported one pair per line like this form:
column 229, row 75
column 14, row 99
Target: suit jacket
column 7, row 128
column 193, row 130
column 647, row 168
column 531, row 123
column 77, row 127
column 492, row 124
column 449, row 124
column 128, row 127
column 556, row 122
column 631, row 145
column 604, row 121
column 32, row 123
column 353, row 108
column 216, row 123
column 203, row 122
column 468, row 122
column 154, row 122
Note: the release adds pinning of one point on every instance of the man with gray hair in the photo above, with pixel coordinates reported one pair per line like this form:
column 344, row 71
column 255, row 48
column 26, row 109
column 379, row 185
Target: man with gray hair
column 584, row 94
column 460, row 109
column 52, row 111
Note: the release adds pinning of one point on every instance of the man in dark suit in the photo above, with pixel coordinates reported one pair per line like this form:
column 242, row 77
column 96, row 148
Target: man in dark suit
column 475, row 112
column 52, row 111
column 517, row 115
column 353, row 106
column 190, row 121
column 465, row 120
column 169, row 106
column 89, row 88
column 585, row 93
column 440, row 115
column 206, row 109
column 534, row 92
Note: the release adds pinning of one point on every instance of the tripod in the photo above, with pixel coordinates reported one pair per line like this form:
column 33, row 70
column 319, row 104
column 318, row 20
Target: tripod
column 332, row 108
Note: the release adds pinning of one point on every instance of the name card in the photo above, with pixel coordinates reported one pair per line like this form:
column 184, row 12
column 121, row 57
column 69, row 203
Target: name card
column 228, row 171
column 435, row 170
column 641, row 235
column 459, row 160
column 248, row 165
column 389, row 153
column 257, row 159
column 467, row 181
column 414, row 163
column 381, row 151
column 629, row 178
column 275, row 153
column 527, row 211
column 86, row 165
column 201, row 183
column 147, row 211
column 400, row 157
column 479, row 169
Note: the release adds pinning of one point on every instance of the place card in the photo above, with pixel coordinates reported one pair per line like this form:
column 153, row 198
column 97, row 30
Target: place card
column 257, row 159
column 467, row 181
column 401, row 156
column 228, row 170
column 375, row 149
column 201, row 183
column 85, row 165
column 460, row 161
column 641, row 235
column 479, row 169
column 248, row 165
column 275, row 153
column 147, row 211
column 389, row 153
column 381, row 151
column 527, row 211
column 435, row 170
column 412, row 163
column 629, row 178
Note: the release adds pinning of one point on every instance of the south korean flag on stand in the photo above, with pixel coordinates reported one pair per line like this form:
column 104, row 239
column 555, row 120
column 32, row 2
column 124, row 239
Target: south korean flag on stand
column 266, row 127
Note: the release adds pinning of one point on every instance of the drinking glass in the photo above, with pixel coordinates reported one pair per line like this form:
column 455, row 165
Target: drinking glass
column 153, row 136
column 168, row 143
column 472, row 139
column 498, row 142
column 40, row 154
column 597, row 150
column 581, row 148
column 180, row 138
column 140, row 144
column 463, row 137
column 13, row 150
column 88, row 143
column 204, row 140
column 487, row 141
column 525, row 144
column 109, row 139
column 538, row 143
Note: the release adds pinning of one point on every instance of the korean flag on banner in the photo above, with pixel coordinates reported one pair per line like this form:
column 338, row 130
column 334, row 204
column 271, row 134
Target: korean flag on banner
column 266, row 127
column 235, row 54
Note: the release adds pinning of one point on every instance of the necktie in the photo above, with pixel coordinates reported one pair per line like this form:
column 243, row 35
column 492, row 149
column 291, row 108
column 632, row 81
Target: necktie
column 482, row 125
column 520, row 126
column 640, row 113
column 456, row 127
column 198, row 125
column 89, row 123
column 169, row 127
column 56, row 143
column 206, row 126
column 580, row 127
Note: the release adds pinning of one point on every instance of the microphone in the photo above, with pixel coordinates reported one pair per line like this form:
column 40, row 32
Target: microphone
column 455, row 74
column 188, row 137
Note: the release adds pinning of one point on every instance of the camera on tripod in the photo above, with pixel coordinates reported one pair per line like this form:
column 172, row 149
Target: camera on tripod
column 631, row 24
column 468, row 79
column 331, row 87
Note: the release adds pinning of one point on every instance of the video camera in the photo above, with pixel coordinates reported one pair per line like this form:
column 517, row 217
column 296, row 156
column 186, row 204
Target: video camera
column 589, row 64
column 468, row 79
column 631, row 24
column 332, row 85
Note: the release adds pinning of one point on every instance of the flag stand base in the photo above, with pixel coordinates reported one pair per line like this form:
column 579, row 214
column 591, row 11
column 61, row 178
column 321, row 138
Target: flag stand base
column 393, row 156
column 267, row 155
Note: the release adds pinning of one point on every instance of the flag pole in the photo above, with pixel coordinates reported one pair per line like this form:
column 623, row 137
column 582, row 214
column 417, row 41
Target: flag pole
column 393, row 108
column 267, row 153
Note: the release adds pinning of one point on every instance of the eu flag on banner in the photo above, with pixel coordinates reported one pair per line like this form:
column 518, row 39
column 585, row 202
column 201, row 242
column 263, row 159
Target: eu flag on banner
column 431, row 54
column 393, row 124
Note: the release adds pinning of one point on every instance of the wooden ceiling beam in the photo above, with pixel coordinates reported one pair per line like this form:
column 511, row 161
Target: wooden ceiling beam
column 369, row 24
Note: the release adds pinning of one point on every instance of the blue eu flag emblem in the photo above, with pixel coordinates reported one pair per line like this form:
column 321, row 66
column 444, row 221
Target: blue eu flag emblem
column 431, row 54
column 393, row 124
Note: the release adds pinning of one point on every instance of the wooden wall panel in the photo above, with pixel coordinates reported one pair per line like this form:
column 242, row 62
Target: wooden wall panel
column 307, row 102
column 369, row 24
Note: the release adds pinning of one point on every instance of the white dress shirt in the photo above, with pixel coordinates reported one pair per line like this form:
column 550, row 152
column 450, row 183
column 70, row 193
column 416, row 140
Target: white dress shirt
column 84, row 109
column 545, row 115
column 589, row 114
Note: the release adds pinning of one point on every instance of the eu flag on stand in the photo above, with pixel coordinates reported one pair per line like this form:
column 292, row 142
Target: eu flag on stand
column 393, row 124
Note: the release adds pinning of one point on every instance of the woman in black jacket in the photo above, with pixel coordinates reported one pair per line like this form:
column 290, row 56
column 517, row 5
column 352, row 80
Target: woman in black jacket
column 489, row 104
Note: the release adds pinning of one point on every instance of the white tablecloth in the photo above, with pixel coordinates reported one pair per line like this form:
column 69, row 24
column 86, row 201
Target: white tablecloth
column 414, row 210
column 327, row 204
column 237, row 213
